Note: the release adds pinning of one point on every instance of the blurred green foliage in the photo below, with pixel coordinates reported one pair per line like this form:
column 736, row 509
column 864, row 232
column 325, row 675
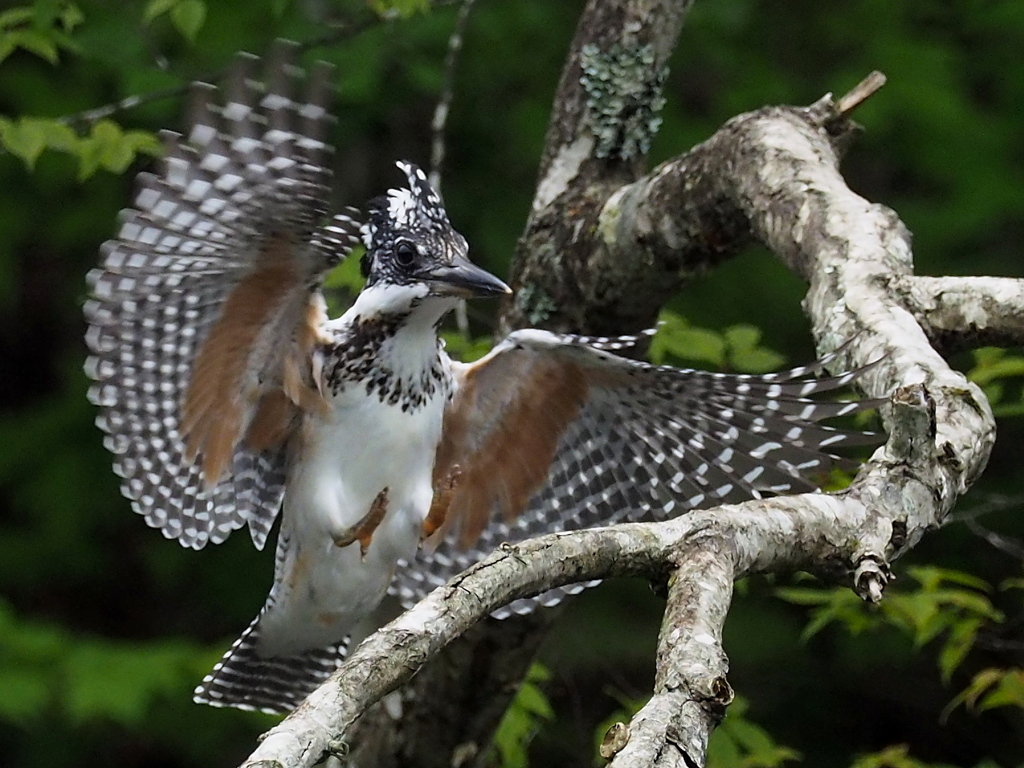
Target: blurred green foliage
column 523, row 719
column 950, row 604
column 1000, row 376
column 740, row 743
column 737, row 348
column 105, row 627
column 897, row 756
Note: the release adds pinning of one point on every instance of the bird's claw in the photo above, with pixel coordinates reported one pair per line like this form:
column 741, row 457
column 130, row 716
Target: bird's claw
column 363, row 530
column 438, row 513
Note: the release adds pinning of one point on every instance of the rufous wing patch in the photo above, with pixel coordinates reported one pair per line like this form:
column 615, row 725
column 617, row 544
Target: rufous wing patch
column 300, row 384
column 272, row 422
column 231, row 389
column 505, row 444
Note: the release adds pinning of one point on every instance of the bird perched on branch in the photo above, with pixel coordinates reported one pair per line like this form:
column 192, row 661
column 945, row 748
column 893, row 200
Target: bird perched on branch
column 227, row 395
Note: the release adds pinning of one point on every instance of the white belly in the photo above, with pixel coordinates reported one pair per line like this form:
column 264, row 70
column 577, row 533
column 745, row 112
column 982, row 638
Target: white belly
column 321, row 590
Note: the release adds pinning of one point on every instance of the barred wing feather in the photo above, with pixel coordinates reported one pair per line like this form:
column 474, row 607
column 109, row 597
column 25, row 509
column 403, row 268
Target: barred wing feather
column 203, row 315
column 551, row 434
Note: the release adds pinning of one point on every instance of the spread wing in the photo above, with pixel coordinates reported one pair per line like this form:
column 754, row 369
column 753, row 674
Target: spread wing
column 546, row 433
column 203, row 315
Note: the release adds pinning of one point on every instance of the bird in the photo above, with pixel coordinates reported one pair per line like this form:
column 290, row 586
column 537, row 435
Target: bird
column 228, row 397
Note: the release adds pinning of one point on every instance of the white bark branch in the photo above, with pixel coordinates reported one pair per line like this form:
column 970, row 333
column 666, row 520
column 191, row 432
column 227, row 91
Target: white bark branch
column 784, row 183
column 964, row 312
column 691, row 690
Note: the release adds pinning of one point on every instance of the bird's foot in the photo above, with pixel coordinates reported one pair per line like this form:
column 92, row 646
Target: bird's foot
column 442, row 500
column 363, row 530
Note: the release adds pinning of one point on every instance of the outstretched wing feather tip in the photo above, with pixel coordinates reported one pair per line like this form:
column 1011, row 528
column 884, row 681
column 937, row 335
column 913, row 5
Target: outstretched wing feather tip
column 244, row 197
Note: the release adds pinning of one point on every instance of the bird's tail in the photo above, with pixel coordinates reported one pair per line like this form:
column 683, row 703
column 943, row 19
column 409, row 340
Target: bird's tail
column 274, row 684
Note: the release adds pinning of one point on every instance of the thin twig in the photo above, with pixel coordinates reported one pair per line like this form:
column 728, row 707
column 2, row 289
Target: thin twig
column 339, row 32
column 860, row 93
column 440, row 120
column 444, row 102
column 994, row 502
column 95, row 114
column 1010, row 546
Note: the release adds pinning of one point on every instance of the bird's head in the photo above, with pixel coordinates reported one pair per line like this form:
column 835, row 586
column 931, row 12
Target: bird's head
column 413, row 252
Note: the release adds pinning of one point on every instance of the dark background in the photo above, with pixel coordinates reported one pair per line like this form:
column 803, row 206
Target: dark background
column 105, row 627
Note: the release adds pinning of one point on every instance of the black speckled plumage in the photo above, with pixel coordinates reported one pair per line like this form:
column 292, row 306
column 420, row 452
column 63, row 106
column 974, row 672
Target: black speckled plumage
column 355, row 359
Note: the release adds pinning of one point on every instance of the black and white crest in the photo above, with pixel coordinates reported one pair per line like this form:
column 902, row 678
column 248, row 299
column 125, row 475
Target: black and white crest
column 409, row 218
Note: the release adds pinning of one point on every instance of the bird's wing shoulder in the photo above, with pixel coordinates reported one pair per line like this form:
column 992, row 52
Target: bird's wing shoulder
column 204, row 314
column 547, row 433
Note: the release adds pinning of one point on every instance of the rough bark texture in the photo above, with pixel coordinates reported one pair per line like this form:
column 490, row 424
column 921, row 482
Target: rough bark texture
column 602, row 250
column 604, row 116
column 964, row 312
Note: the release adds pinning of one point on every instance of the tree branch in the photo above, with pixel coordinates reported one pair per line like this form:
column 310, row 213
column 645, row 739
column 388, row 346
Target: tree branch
column 691, row 691
column 964, row 312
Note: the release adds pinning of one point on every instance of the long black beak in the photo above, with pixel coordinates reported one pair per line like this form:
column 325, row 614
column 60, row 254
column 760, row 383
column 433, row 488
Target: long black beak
column 464, row 279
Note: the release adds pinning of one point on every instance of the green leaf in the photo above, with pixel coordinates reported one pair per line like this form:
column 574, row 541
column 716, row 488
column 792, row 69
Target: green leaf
column 756, row 360
column 745, row 354
column 144, row 143
column 930, row 577
column 157, row 8
column 31, row 40
column 896, row 756
column 1008, row 691
column 522, row 720
column 71, row 16
column 402, row 9
column 466, row 350
column 26, row 694
column 993, row 391
column 1007, row 411
column 1003, row 368
column 957, row 646
column 917, row 613
column 1014, row 583
column 59, row 137
column 696, row 344
column 980, row 685
column 90, row 157
column 16, row 17
column 108, row 147
column 188, row 16
column 834, row 606
column 742, row 337
column 805, row 595
column 347, row 274
column 669, row 323
column 25, row 139
column 741, row 743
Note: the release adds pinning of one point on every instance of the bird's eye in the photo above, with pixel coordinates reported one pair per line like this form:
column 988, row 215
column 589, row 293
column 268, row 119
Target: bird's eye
column 405, row 254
